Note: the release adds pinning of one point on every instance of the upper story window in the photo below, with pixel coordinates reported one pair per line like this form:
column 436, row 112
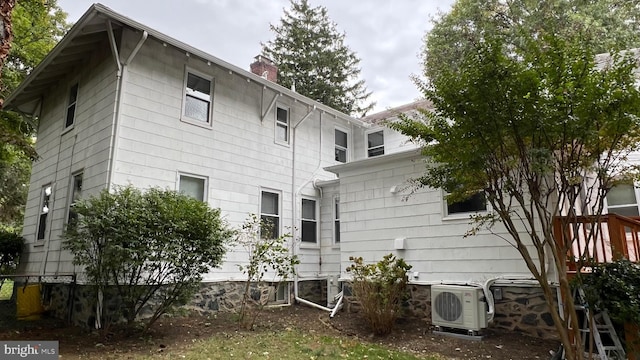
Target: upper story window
column 43, row 212
column 309, row 221
column 282, row 125
column 341, row 146
column 76, row 194
column 476, row 203
column 270, row 214
column 71, row 106
column 193, row 186
column 622, row 200
column 375, row 143
column 198, row 98
column 336, row 221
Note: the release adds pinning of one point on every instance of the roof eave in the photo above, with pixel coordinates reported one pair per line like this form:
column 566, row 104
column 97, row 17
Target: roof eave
column 97, row 9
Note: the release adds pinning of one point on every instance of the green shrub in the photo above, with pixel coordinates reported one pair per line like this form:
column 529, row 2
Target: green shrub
column 615, row 287
column 152, row 247
column 380, row 289
column 11, row 245
column 266, row 254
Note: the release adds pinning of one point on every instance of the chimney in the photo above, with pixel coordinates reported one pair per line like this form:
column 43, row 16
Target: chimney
column 265, row 68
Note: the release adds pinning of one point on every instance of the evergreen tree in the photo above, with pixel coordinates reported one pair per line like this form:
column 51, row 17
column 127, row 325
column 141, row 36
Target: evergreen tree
column 312, row 57
column 36, row 27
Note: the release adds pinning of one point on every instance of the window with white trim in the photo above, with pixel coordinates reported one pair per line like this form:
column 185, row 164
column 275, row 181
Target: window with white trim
column 198, row 98
column 70, row 117
column 375, row 143
column 75, row 195
column 193, row 186
column 43, row 212
column 282, row 125
column 270, row 214
column 473, row 204
column 622, row 200
column 309, row 221
column 279, row 293
column 336, row 220
column 341, row 145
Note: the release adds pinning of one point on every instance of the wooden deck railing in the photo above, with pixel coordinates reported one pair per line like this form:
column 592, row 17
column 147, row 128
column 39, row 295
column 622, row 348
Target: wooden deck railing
column 589, row 240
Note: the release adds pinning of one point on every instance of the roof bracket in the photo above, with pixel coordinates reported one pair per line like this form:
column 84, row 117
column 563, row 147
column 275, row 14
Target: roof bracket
column 273, row 102
column 311, row 110
column 114, row 47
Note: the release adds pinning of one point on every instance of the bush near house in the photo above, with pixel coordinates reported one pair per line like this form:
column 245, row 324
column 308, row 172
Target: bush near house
column 266, row 255
column 615, row 287
column 152, row 247
column 380, row 289
column 11, row 245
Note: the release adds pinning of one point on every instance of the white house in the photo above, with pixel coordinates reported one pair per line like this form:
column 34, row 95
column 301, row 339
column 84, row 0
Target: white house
column 120, row 103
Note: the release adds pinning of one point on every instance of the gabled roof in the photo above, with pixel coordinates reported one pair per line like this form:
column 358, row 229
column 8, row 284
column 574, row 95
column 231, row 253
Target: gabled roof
column 381, row 116
column 91, row 30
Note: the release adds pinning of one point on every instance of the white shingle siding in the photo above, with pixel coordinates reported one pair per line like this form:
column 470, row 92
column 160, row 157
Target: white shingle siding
column 372, row 217
column 91, row 134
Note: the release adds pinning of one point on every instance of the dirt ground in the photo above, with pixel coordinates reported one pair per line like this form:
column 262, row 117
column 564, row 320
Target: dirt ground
column 171, row 333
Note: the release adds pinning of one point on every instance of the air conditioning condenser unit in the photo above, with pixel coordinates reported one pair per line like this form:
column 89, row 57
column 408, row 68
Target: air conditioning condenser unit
column 458, row 307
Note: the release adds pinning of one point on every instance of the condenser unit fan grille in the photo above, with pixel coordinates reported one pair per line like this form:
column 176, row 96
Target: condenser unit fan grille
column 448, row 306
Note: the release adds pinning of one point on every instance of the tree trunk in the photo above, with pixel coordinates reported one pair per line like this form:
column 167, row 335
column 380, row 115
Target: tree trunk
column 6, row 33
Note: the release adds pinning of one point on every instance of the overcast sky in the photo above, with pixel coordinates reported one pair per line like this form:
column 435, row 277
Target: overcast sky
column 385, row 34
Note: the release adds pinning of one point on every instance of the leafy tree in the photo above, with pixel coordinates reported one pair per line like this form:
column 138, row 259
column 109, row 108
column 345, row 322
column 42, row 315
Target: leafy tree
column 525, row 112
column 6, row 33
column 153, row 247
column 311, row 56
column 380, row 288
column 266, row 254
column 36, row 27
column 11, row 245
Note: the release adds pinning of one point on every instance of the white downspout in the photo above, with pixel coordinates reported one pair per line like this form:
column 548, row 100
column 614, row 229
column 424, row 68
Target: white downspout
column 113, row 141
column 294, row 194
column 121, row 73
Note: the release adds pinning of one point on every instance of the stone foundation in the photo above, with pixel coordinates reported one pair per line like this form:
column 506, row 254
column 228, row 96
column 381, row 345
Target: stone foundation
column 520, row 308
column 517, row 308
column 77, row 303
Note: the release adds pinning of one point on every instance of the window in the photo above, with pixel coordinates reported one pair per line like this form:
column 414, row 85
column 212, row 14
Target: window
column 341, row 146
column 45, row 199
column 282, row 125
column 71, row 106
column 279, row 293
column 336, row 221
column 475, row 203
column 270, row 214
column 197, row 101
column 622, row 200
column 375, row 144
column 76, row 194
column 193, row 186
column 309, row 221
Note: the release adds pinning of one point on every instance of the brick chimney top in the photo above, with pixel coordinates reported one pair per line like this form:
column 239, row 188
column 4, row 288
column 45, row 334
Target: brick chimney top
column 265, row 68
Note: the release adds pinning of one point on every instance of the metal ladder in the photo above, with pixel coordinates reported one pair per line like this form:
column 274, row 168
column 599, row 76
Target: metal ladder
column 602, row 325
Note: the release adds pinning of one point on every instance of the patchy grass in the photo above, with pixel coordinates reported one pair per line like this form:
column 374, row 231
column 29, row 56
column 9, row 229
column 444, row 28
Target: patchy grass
column 288, row 344
column 6, row 290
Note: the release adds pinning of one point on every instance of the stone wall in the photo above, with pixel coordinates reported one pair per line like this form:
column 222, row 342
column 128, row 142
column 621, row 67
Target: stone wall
column 520, row 308
column 77, row 303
